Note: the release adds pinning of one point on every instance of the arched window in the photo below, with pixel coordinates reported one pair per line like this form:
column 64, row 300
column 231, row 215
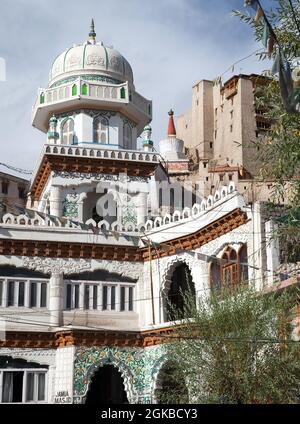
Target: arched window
column 127, row 136
column 243, row 261
column 74, row 90
column 84, row 89
column 101, row 127
column 67, row 131
column 123, row 93
column 231, row 270
column 42, row 98
column 181, row 285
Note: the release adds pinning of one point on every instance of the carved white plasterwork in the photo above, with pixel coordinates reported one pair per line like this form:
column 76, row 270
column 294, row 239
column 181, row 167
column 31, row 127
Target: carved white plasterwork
column 83, row 176
column 76, row 266
column 240, row 235
column 56, row 265
column 132, row 270
column 40, row 356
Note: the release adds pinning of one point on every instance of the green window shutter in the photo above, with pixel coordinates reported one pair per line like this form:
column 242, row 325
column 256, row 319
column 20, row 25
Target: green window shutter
column 84, row 90
column 123, row 93
column 42, row 98
column 74, row 90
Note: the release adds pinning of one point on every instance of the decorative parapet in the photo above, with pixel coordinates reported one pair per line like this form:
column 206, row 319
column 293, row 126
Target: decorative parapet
column 100, row 152
column 220, row 196
column 37, row 220
column 85, row 92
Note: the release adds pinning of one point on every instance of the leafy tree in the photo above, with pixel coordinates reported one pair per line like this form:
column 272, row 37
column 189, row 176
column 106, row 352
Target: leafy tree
column 235, row 347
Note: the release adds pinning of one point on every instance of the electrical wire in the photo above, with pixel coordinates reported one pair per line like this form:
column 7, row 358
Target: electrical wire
column 19, row 170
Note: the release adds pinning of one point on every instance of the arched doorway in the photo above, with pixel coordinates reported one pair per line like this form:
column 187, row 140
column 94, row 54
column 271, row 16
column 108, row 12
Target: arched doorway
column 106, row 387
column 170, row 385
column 181, row 285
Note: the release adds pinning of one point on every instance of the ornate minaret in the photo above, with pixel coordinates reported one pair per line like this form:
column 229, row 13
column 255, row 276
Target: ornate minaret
column 93, row 115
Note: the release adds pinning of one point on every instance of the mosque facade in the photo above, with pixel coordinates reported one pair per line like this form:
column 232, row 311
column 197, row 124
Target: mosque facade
column 89, row 266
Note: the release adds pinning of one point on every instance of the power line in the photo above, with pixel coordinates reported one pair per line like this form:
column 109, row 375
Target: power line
column 19, row 170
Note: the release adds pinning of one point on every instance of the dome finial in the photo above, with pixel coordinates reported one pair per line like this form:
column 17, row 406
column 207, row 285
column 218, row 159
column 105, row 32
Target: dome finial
column 171, row 126
column 92, row 33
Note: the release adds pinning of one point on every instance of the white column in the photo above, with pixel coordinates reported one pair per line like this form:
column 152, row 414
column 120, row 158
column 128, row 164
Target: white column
column 141, row 208
column 272, row 250
column 81, row 296
column 126, row 298
column 16, row 293
column 108, row 298
column 118, row 299
column 91, row 289
column 56, row 201
column 4, row 294
column 26, row 294
column 56, row 298
column 99, row 301
column 38, row 295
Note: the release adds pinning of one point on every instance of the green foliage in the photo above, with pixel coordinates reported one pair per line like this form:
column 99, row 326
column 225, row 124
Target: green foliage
column 235, row 347
column 279, row 148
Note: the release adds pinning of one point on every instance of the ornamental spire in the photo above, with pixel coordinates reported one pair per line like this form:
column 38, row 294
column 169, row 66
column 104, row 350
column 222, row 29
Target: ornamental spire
column 171, row 126
column 92, row 33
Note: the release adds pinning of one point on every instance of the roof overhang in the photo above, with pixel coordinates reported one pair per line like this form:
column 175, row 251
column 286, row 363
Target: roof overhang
column 91, row 160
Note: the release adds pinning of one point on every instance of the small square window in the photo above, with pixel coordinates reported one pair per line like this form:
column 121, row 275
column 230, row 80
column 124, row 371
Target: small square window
column 230, row 177
column 5, row 185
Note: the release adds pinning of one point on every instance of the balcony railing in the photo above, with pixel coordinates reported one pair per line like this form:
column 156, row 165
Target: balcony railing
column 78, row 294
column 26, row 293
column 99, row 296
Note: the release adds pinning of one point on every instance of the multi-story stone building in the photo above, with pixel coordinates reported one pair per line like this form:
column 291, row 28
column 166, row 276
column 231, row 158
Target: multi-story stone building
column 220, row 131
column 86, row 275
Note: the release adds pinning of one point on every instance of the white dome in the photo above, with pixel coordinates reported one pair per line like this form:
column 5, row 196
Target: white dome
column 92, row 60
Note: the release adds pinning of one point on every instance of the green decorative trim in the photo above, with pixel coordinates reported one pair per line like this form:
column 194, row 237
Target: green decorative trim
column 70, row 206
column 84, row 89
column 87, row 77
column 139, row 368
column 123, row 93
column 148, row 143
column 54, row 135
column 129, row 215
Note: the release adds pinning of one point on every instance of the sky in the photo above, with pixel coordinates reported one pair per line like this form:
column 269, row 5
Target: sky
column 170, row 44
